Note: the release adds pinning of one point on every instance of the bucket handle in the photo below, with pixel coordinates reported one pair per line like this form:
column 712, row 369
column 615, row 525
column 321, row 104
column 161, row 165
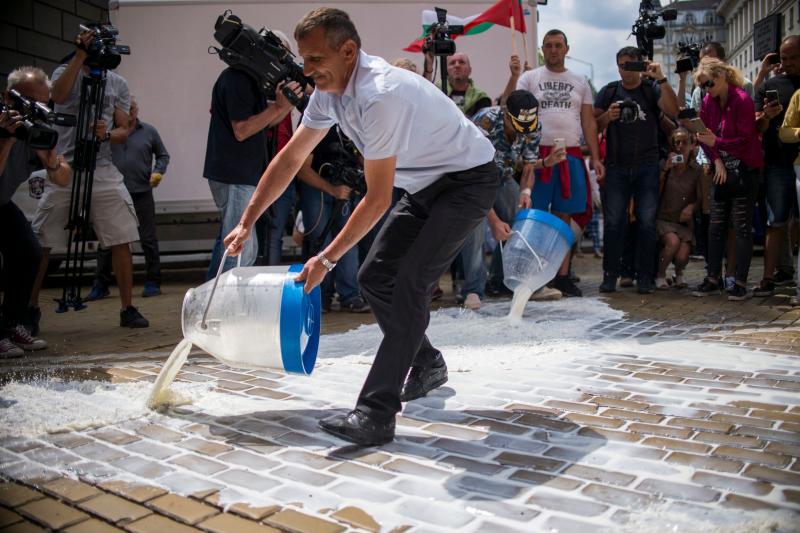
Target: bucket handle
column 524, row 240
column 214, row 287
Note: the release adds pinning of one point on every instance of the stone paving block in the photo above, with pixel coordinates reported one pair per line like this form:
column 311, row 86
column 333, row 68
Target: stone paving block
column 361, row 472
column 504, row 442
column 722, row 408
column 293, row 438
column 470, row 465
column 561, row 405
column 743, row 420
column 616, row 496
column 228, row 523
column 538, row 421
column 298, row 522
column 632, row 415
column 678, row 411
column 733, row 484
column 143, row 467
column 598, row 475
column 302, row 475
column 363, row 492
column 8, row 517
column 250, row 460
column 52, row 513
column 470, row 449
column 158, row 524
column 52, row 456
column 678, row 491
column 24, row 527
column 529, row 461
column 67, row 440
column 747, row 404
column 152, row 449
column 486, row 486
column 663, row 431
column 748, row 504
column 354, row 453
column 703, row 462
column 783, row 449
column 705, row 425
column 267, row 393
column 775, row 415
column 495, row 426
column 196, row 486
column 678, row 445
column 70, row 490
column 205, row 447
column 404, row 466
column 779, row 477
column 768, row 434
column 248, row 480
column 504, row 509
column 160, row 433
column 792, row 496
column 594, row 421
column 752, row 456
column 14, row 495
column 97, row 451
column 608, row 434
column 429, row 512
column 605, row 401
column 92, row 526
column 548, row 480
column 114, row 509
column 567, row 525
column 198, row 464
column 114, row 436
column 133, row 491
column 730, row 440
column 183, row 509
column 559, row 502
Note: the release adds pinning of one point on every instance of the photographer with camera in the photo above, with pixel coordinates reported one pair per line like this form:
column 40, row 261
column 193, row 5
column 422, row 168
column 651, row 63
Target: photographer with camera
column 629, row 110
column 331, row 183
column 19, row 250
column 112, row 213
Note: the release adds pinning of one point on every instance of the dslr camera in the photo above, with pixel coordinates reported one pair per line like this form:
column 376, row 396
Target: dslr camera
column 439, row 39
column 103, row 51
column 690, row 57
column 260, row 54
column 36, row 121
column 647, row 28
column 628, row 111
column 345, row 167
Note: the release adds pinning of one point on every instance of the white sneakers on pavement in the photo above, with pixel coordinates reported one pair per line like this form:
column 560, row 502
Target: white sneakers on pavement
column 8, row 349
column 23, row 339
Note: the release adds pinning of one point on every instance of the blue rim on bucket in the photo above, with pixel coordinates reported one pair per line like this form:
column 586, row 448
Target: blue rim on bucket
column 300, row 313
column 546, row 218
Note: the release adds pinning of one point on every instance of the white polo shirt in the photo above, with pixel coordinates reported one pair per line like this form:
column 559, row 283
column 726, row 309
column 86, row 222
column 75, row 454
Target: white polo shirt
column 388, row 111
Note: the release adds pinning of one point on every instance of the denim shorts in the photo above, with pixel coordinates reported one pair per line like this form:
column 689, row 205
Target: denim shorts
column 779, row 189
column 548, row 197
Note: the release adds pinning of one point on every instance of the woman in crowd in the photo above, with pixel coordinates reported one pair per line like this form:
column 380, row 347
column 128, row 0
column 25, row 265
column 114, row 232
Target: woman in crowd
column 680, row 198
column 731, row 143
column 790, row 133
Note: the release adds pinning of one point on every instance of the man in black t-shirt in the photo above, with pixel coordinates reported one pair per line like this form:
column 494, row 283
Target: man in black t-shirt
column 630, row 109
column 236, row 152
column 779, row 177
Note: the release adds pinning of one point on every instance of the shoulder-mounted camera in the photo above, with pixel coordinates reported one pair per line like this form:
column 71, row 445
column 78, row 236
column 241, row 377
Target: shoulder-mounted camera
column 37, row 119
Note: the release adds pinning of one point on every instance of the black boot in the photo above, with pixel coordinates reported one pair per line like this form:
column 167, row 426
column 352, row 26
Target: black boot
column 359, row 428
column 609, row 283
column 423, row 379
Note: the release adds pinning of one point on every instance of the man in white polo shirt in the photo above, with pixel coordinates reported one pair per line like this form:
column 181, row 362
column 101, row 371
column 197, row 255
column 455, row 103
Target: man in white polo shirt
column 411, row 136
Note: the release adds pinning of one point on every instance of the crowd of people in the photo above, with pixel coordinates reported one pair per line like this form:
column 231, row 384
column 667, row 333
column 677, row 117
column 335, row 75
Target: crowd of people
column 651, row 183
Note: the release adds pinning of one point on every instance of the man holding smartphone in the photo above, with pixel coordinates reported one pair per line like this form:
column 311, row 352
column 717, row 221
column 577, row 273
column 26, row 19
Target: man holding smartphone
column 772, row 100
column 630, row 110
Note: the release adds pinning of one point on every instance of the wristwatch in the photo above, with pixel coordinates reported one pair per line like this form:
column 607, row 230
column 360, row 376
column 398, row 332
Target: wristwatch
column 325, row 262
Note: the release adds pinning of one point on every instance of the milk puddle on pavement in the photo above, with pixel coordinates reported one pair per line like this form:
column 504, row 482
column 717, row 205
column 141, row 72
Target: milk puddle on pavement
column 543, row 425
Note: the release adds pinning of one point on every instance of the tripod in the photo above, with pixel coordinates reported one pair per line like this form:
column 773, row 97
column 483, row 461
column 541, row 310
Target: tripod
column 87, row 145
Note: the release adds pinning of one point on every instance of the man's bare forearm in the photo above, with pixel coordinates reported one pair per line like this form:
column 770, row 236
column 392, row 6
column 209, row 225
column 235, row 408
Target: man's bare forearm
column 63, row 85
column 273, row 182
column 366, row 214
column 271, row 116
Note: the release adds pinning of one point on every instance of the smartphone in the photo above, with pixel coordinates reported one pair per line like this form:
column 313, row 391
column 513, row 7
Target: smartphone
column 635, row 66
column 559, row 143
column 677, row 158
column 695, row 125
column 684, row 65
column 772, row 96
column 774, row 59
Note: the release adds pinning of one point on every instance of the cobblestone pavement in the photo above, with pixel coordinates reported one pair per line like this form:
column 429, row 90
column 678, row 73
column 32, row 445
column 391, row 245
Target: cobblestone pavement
column 659, row 412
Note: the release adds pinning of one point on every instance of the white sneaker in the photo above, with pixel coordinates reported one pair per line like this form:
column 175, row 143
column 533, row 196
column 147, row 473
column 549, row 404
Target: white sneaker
column 472, row 302
column 8, row 349
column 546, row 294
column 22, row 338
column 680, row 283
column 661, row 284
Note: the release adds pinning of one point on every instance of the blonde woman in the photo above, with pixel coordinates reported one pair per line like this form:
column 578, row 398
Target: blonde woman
column 790, row 133
column 730, row 142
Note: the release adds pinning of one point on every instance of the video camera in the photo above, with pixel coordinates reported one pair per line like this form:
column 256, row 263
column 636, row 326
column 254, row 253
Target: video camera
column 647, row 29
column 103, row 51
column 345, row 167
column 261, row 54
column 36, row 120
column 690, row 56
column 439, row 40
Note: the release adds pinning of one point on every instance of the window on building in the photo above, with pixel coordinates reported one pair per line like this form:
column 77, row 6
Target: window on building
column 710, row 18
column 689, row 19
column 790, row 18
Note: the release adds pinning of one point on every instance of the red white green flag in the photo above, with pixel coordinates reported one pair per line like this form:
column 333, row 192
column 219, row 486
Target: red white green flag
column 499, row 14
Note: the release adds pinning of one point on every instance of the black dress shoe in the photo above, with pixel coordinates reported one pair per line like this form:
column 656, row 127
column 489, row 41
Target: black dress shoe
column 358, row 428
column 423, row 379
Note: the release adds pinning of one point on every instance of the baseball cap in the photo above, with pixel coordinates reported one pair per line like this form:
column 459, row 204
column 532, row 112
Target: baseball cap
column 523, row 110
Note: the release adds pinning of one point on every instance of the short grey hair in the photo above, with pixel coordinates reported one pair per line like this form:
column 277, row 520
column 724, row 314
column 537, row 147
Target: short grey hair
column 27, row 73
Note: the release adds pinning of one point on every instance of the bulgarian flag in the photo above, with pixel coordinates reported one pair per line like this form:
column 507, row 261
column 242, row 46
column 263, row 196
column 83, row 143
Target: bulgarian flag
column 500, row 14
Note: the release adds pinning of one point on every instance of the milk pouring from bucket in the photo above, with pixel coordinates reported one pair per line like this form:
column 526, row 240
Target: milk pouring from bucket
column 249, row 317
column 534, row 252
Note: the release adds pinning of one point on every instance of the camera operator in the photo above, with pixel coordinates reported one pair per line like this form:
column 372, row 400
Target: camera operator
column 318, row 196
column 112, row 213
column 19, row 248
column 236, row 151
column 460, row 87
column 135, row 159
column 630, row 110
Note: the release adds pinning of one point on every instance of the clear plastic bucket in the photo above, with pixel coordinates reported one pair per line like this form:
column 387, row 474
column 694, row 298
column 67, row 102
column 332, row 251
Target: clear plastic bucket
column 535, row 250
column 258, row 317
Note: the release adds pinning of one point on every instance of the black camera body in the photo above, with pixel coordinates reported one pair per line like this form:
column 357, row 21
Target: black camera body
column 37, row 119
column 647, row 28
column 103, row 51
column 628, row 111
column 439, row 39
column 345, row 167
column 690, row 57
column 260, row 54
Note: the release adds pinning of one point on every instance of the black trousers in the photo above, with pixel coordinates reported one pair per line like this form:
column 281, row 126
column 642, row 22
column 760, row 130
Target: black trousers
column 146, row 213
column 418, row 241
column 732, row 214
column 21, row 257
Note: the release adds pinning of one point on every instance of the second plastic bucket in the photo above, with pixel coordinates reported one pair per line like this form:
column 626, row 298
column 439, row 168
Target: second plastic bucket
column 257, row 318
column 535, row 250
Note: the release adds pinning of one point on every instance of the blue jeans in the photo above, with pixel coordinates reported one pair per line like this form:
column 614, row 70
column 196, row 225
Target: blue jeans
column 778, row 189
column 317, row 208
column 472, row 254
column 622, row 183
column 279, row 213
column 231, row 201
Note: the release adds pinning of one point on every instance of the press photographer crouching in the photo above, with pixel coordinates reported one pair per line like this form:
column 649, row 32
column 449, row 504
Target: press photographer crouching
column 111, row 211
column 331, row 183
column 19, row 247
